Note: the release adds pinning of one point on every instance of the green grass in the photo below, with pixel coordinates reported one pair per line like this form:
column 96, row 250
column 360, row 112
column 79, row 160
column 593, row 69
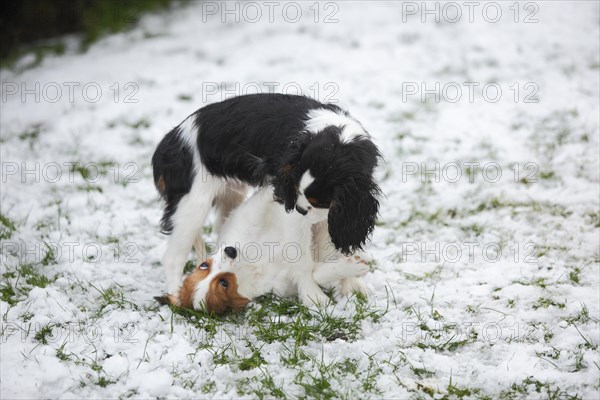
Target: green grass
column 275, row 319
column 44, row 333
column 111, row 298
column 294, row 328
column 104, row 382
column 529, row 385
column 540, row 282
column 208, row 387
column 433, row 275
column 268, row 388
column 8, row 293
column 90, row 188
column 593, row 218
column 18, row 282
column 255, row 360
column 31, row 135
column 189, row 267
column 545, row 302
column 39, row 52
column 33, row 277
column 49, row 256
column 316, row 380
column 185, row 97
column 443, row 340
column 90, row 20
column 7, row 227
column 574, row 275
column 580, row 317
column 456, row 391
column 61, row 353
column 92, row 171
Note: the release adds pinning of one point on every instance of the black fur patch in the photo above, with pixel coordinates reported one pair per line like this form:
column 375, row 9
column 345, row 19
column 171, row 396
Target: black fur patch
column 260, row 139
column 247, row 137
column 173, row 167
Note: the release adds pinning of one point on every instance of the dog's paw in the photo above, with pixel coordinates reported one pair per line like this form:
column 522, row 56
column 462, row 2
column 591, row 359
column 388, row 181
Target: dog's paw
column 357, row 259
column 361, row 256
column 361, row 269
column 356, row 266
column 316, row 298
column 351, row 285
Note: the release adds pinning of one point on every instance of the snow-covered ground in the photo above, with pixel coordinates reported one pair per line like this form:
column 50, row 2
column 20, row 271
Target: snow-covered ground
column 483, row 284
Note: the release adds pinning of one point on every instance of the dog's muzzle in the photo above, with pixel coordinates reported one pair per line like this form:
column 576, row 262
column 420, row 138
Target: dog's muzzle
column 301, row 210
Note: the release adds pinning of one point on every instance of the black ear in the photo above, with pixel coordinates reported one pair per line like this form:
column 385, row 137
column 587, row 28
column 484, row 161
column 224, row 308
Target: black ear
column 285, row 181
column 352, row 214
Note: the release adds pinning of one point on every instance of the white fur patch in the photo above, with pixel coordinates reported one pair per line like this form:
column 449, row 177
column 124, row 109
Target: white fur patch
column 314, row 215
column 188, row 132
column 201, row 292
column 306, row 180
column 321, row 118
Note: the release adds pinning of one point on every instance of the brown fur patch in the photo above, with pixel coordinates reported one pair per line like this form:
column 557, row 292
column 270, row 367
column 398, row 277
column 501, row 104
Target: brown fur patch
column 166, row 299
column 219, row 299
column 160, row 184
column 186, row 292
column 286, row 169
column 315, row 202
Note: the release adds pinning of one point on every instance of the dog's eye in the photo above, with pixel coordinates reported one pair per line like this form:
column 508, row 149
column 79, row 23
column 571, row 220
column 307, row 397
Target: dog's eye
column 319, row 203
column 223, row 282
column 204, row 265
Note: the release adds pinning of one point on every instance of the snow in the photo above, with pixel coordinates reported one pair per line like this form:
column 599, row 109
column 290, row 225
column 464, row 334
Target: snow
column 369, row 61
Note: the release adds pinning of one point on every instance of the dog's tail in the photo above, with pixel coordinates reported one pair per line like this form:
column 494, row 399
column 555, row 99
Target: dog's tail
column 173, row 167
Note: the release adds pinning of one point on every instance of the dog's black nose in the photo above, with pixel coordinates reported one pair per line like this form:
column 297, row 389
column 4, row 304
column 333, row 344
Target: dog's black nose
column 301, row 210
column 231, row 252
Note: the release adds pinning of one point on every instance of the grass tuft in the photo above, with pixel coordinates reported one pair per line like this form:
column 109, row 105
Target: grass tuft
column 7, row 227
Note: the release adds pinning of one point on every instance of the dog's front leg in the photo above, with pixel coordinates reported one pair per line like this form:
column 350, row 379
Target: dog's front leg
column 187, row 224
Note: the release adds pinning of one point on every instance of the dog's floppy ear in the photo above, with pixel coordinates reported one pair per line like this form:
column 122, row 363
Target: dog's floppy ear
column 285, row 182
column 167, row 299
column 352, row 214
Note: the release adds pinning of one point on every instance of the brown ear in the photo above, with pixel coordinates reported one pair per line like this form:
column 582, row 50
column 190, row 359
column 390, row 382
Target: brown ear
column 220, row 298
column 166, row 299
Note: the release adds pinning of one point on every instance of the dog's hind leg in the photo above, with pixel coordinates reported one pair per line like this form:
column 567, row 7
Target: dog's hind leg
column 187, row 222
column 228, row 200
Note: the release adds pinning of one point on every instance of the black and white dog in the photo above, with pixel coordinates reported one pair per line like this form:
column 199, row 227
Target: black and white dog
column 318, row 159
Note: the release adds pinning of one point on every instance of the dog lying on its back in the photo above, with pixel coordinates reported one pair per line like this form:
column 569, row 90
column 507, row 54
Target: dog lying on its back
column 264, row 249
